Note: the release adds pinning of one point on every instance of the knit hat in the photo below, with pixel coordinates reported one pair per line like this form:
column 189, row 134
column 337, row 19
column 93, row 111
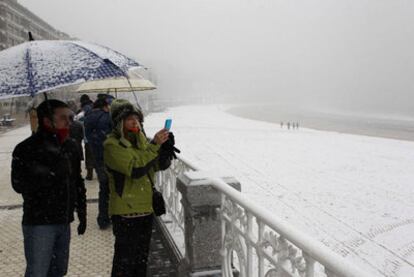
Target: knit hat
column 107, row 97
column 84, row 98
column 122, row 108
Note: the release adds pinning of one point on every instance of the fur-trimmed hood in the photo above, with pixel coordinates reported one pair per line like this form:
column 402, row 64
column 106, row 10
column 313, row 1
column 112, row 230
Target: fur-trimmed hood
column 121, row 109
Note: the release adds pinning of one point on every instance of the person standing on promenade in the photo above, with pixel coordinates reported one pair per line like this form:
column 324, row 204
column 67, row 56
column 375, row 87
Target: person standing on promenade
column 76, row 130
column 86, row 106
column 46, row 170
column 97, row 125
column 131, row 162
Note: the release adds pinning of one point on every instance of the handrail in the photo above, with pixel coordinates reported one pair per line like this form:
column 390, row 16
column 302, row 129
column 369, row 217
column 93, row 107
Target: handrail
column 306, row 243
column 311, row 249
column 189, row 163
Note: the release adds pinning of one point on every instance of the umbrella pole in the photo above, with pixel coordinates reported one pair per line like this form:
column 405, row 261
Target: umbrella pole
column 136, row 101
column 11, row 106
column 133, row 92
column 50, row 110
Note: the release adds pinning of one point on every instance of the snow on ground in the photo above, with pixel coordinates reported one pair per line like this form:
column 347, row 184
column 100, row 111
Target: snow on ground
column 353, row 193
column 8, row 141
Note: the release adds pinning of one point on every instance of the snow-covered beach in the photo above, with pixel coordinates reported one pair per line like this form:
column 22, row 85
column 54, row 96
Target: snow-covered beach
column 353, row 193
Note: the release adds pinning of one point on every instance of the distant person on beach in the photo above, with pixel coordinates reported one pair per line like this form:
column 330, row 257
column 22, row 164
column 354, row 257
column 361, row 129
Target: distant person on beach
column 288, row 125
column 281, row 124
column 46, row 170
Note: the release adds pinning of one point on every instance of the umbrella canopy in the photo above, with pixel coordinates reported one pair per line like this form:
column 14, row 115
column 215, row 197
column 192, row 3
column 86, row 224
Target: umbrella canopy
column 40, row 66
column 133, row 81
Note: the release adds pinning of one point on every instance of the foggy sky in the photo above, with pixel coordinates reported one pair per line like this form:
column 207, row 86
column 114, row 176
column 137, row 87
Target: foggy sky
column 344, row 54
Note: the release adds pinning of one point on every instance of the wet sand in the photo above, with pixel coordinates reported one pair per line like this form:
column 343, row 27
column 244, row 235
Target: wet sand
column 351, row 124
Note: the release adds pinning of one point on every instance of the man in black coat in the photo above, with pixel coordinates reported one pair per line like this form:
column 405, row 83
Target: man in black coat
column 46, row 170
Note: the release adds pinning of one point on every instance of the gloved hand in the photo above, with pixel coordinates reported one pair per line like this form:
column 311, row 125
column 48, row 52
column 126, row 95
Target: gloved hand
column 82, row 224
column 168, row 149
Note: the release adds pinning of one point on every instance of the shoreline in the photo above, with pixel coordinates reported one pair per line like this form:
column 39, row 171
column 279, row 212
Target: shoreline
column 349, row 124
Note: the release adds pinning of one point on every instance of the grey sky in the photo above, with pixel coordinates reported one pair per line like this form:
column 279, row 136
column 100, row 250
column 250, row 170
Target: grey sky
column 322, row 53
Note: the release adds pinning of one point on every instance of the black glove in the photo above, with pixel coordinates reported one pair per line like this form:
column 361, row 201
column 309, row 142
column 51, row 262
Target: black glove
column 168, row 149
column 82, row 225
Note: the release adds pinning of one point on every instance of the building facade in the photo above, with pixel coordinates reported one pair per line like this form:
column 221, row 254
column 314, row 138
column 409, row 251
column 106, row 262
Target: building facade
column 16, row 21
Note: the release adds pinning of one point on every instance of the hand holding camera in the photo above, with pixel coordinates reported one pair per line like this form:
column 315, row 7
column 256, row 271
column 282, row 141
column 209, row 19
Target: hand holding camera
column 168, row 149
column 161, row 137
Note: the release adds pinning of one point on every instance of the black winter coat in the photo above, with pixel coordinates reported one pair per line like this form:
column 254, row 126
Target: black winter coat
column 48, row 175
column 97, row 124
column 77, row 133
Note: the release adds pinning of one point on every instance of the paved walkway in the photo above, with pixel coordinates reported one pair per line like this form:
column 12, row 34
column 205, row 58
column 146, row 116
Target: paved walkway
column 90, row 254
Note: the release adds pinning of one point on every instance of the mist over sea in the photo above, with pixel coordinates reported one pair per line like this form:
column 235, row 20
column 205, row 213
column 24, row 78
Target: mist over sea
column 387, row 126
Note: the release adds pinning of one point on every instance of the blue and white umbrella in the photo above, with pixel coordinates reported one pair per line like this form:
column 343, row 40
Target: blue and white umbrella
column 39, row 66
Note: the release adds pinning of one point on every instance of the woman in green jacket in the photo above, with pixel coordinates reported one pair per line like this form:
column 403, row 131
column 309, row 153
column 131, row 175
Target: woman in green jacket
column 131, row 162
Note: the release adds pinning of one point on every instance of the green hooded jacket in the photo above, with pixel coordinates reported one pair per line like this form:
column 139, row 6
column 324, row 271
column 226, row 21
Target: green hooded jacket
column 128, row 166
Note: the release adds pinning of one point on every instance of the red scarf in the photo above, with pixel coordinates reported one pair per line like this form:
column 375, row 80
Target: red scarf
column 134, row 130
column 61, row 134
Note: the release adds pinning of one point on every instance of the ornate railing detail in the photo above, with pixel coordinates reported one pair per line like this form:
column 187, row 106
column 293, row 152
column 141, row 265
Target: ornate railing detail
column 247, row 238
column 254, row 243
column 167, row 184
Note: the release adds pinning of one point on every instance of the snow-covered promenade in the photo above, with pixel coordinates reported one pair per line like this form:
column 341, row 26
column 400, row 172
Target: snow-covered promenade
column 353, row 193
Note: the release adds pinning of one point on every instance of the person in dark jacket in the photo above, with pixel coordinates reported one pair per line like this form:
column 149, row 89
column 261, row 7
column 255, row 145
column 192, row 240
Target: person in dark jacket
column 86, row 103
column 46, row 170
column 97, row 125
column 76, row 133
column 86, row 106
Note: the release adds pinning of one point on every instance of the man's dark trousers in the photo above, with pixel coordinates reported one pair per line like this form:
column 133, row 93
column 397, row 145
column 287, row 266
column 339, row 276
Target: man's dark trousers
column 103, row 216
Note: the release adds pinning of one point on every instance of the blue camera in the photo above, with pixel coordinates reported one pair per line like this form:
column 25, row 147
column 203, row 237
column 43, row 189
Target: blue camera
column 168, row 123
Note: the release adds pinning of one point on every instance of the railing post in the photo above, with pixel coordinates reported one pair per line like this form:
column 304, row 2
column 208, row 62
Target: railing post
column 202, row 224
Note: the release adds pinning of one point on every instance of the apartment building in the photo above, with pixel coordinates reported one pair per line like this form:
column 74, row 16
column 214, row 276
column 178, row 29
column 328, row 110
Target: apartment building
column 16, row 21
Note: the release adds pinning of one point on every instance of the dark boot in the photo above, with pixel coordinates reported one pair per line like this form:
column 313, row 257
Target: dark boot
column 89, row 174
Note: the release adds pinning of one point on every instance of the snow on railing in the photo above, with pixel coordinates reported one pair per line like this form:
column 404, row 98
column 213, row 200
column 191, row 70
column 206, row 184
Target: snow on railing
column 255, row 242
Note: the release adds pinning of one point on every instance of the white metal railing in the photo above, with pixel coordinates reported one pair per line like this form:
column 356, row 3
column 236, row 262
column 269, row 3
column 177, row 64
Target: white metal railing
column 167, row 184
column 254, row 241
column 267, row 246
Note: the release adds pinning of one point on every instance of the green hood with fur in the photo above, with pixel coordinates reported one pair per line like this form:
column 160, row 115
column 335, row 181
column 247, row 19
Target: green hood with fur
column 120, row 109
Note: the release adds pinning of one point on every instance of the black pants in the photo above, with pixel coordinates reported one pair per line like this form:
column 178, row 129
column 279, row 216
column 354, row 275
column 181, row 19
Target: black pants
column 89, row 161
column 103, row 204
column 132, row 241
